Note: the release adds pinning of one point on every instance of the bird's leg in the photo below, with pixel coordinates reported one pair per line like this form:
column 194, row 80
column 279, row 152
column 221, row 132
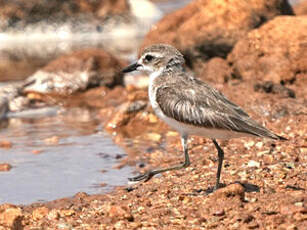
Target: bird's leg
column 148, row 175
column 219, row 169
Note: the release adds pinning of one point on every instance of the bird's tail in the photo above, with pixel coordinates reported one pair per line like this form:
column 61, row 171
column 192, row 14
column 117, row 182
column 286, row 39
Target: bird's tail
column 256, row 129
column 280, row 138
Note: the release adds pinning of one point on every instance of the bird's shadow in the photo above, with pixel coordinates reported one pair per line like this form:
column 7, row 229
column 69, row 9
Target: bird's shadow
column 247, row 188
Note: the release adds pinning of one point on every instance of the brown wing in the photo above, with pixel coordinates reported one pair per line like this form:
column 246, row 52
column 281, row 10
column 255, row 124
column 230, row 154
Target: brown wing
column 196, row 103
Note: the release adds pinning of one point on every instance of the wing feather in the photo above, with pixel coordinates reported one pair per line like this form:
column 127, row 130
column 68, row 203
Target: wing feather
column 207, row 108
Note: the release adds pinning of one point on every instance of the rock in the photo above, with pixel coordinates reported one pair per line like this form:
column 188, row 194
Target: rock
column 36, row 151
column 215, row 70
column 145, row 10
column 6, row 144
column 154, row 137
column 291, row 209
column 5, row 167
column 20, row 13
column 8, row 93
column 67, row 212
column 40, row 213
column 271, row 87
column 10, row 90
column 11, row 218
column 19, row 103
column 300, row 8
column 220, row 212
column 101, row 97
column 276, row 52
column 119, row 213
column 136, row 95
column 54, row 140
column 140, row 81
column 206, row 29
column 3, row 107
column 221, row 202
column 36, row 32
column 110, row 7
column 233, row 190
column 53, row 215
column 63, row 225
column 76, row 72
column 136, row 106
column 253, row 163
column 124, row 114
column 81, row 195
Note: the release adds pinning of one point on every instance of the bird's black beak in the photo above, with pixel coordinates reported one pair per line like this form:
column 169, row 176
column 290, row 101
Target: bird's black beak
column 131, row 68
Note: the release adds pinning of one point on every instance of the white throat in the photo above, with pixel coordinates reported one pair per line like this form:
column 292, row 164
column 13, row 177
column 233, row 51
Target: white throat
column 154, row 75
column 151, row 90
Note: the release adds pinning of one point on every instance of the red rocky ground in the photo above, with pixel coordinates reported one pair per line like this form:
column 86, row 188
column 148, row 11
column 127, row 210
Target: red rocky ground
column 265, row 180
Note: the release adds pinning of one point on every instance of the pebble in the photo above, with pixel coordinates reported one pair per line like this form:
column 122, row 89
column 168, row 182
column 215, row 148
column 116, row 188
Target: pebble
column 11, row 217
column 259, row 154
column 36, row 151
column 63, row 226
column 155, row 137
column 152, row 118
column 249, row 144
column 67, row 212
column 299, row 204
column 6, row 144
column 40, row 213
column 253, row 163
column 220, row 212
column 4, row 167
column 172, row 134
column 230, row 190
column 53, row 215
column 52, row 140
column 259, row 145
column 3, row 106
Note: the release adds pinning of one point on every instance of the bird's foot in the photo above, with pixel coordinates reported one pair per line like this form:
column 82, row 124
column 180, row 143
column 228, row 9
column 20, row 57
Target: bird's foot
column 216, row 187
column 143, row 177
column 213, row 189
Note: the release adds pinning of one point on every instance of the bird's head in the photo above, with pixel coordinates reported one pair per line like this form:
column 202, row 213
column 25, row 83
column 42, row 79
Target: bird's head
column 155, row 58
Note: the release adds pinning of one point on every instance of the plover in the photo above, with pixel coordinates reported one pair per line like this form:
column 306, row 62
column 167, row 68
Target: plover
column 191, row 106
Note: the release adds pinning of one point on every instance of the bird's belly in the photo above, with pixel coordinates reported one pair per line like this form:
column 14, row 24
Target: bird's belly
column 187, row 129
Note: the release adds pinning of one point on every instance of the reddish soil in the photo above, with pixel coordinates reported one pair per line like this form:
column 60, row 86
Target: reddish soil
column 265, row 180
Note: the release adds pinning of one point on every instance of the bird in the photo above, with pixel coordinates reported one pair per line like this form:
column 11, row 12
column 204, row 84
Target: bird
column 190, row 106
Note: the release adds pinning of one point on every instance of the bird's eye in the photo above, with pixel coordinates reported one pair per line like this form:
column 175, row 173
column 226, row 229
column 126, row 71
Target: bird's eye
column 149, row 57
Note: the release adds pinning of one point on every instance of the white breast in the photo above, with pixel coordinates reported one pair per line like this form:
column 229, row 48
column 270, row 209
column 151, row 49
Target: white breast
column 152, row 91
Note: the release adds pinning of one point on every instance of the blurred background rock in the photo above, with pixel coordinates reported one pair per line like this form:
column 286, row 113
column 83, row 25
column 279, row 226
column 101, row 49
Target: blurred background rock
column 70, row 46
column 34, row 32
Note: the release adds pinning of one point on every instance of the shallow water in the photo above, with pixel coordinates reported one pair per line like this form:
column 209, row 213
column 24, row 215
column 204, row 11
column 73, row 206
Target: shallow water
column 26, row 50
column 58, row 156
